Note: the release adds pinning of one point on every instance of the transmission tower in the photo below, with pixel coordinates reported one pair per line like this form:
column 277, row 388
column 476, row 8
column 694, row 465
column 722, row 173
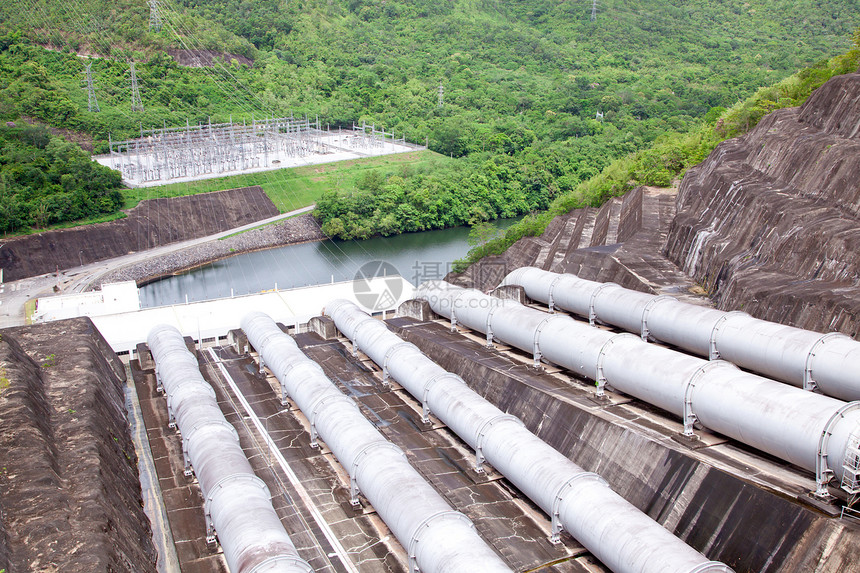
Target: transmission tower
column 441, row 94
column 154, row 16
column 92, row 102
column 136, row 102
column 593, row 10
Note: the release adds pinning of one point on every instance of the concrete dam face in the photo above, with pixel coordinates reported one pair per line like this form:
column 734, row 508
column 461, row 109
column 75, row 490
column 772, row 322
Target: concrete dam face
column 633, row 390
column 769, row 222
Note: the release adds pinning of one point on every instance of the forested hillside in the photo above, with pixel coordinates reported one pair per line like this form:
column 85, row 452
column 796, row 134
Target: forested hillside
column 523, row 82
column 46, row 179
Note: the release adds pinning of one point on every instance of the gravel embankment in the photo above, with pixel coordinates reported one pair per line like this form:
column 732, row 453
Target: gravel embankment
column 295, row 230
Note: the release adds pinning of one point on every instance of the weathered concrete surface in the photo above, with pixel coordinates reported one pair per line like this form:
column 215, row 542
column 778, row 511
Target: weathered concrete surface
column 152, row 223
column 510, row 292
column 419, row 309
column 323, row 327
column 319, row 490
column 732, row 505
column 69, row 488
column 770, row 222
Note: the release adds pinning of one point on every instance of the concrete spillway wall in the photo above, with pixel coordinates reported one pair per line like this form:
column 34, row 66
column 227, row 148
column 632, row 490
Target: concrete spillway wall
column 725, row 517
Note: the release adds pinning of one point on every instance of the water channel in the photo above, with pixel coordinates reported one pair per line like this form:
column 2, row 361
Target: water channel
column 415, row 256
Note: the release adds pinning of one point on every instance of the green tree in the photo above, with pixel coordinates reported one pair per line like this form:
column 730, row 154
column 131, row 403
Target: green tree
column 482, row 233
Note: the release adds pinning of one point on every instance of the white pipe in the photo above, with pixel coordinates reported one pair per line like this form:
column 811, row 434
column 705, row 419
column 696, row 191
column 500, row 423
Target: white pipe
column 804, row 428
column 438, row 539
column 238, row 504
column 622, row 537
column 828, row 362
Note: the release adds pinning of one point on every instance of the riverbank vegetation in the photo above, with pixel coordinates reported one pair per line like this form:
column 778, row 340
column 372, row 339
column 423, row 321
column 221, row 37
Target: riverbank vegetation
column 536, row 98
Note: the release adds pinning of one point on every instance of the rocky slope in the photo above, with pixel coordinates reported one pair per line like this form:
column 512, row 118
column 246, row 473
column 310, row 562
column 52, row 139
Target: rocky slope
column 770, row 222
column 620, row 242
column 69, row 488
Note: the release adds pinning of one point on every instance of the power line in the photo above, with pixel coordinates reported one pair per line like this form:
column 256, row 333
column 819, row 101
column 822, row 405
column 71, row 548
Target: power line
column 221, row 76
column 154, row 16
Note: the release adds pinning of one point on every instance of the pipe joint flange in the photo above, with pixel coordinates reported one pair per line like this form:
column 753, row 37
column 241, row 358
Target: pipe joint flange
column 454, row 300
column 809, row 382
column 713, row 348
column 301, row 363
column 356, row 466
column 515, row 277
column 690, row 417
column 211, row 537
column 823, row 473
column 188, row 435
column 712, row 567
column 489, row 328
column 645, row 332
column 592, row 315
column 388, row 355
column 217, row 489
column 171, row 418
column 194, row 387
column 425, row 404
column 269, row 333
column 288, row 369
column 291, row 563
column 218, row 486
column 536, row 351
column 318, row 406
column 550, row 301
column 560, row 493
column 354, row 337
column 481, row 434
column 188, row 470
column 599, row 375
column 419, row 530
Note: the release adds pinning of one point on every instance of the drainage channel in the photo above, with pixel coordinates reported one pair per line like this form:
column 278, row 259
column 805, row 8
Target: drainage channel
column 333, row 548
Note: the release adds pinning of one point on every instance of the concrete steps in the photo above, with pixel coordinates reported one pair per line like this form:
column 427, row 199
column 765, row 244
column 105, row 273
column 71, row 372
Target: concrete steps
column 622, row 241
column 571, row 231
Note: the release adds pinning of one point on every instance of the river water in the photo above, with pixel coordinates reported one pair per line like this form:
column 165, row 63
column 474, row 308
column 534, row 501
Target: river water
column 414, row 256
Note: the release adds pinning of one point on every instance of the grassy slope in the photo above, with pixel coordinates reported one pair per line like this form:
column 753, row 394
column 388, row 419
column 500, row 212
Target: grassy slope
column 295, row 187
